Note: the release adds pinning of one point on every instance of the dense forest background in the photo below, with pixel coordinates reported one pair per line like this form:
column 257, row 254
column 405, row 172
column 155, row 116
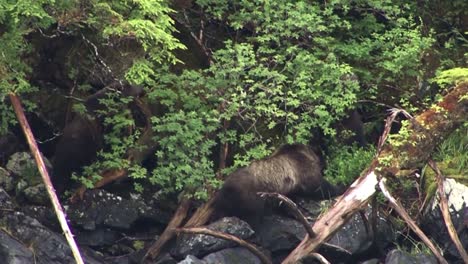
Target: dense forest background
column 179, row 93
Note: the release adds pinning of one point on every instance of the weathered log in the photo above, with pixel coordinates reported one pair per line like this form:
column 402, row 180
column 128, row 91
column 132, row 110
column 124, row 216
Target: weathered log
column 426, row 132
column 15, row 101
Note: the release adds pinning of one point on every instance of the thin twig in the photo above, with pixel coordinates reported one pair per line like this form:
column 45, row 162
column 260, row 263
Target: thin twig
column 241, row 242
column 320, row 258
column 445, row 212
column 401, row 211
column 15, row 101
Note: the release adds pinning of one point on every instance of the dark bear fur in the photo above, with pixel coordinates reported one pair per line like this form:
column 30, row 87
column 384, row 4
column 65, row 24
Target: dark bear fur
column 292, row 169
column 82, row 138
column 352, row 123
column 78, row 146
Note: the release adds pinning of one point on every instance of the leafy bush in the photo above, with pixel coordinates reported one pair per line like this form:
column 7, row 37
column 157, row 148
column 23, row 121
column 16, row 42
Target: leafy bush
column 454, row 151
column 345, row 164
column 280, row 71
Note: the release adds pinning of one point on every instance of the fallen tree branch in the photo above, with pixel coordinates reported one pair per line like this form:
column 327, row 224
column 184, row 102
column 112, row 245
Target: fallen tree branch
column 168, row 233
column 15, row 101
column 444, row 208
column 444, row 117
column 401, row 211
column 241, row 242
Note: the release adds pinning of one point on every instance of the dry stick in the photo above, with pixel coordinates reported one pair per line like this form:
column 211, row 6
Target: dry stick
column 293, row 207
column 241, row 242
column 401, row 211
column 168, row 233
column 446, row 214
column 353, row 200
column 320, row 258
column 45, row 176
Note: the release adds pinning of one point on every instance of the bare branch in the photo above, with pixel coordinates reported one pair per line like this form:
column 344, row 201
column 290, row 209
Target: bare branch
column 15, row 101
column 444, row 208
column 401, row 211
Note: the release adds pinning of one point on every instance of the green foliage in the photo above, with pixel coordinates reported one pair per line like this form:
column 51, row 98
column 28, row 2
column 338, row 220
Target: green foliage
column 117, row 141
column 292, row 68
column 345, row 163
column 452, row 76
column 185, row 163
column 280, row 72
column 454, row 152
column 105, row 21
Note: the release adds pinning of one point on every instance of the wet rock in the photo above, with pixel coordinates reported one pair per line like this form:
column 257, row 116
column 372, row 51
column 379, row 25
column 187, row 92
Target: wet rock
column 191, row 260
column 101, row 208
column 434, row 224
column 100, row 237
column 48, row 247
column 6, row 204
column 312, row 209
column 45, row 215
column 354, row 236
column 232, row 256
column 200, row 245
column 397, row 257
column 151, row 210
column 370, row 261
column 23, row 164
column 6, row 181
column 36, row 194
column 278, row 233
column 166, row 259
column 14, row 252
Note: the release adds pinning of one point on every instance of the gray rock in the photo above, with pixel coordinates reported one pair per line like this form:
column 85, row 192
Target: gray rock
column 101, row 208
column 22, row 164
column 36, row 194
column 44, row 214
column 278, row 233
column 99, row 237
column 371, row 261
column 232, row 256
column 191, row 260
column 6, row 180
column 434, row 224
column 457, row 195
column 398, row 257
column 21, row 186
column 48, row 247
column 6, row 203
column 166, row 259
column 13, row 252
column 200, row 245
column 355, row 237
